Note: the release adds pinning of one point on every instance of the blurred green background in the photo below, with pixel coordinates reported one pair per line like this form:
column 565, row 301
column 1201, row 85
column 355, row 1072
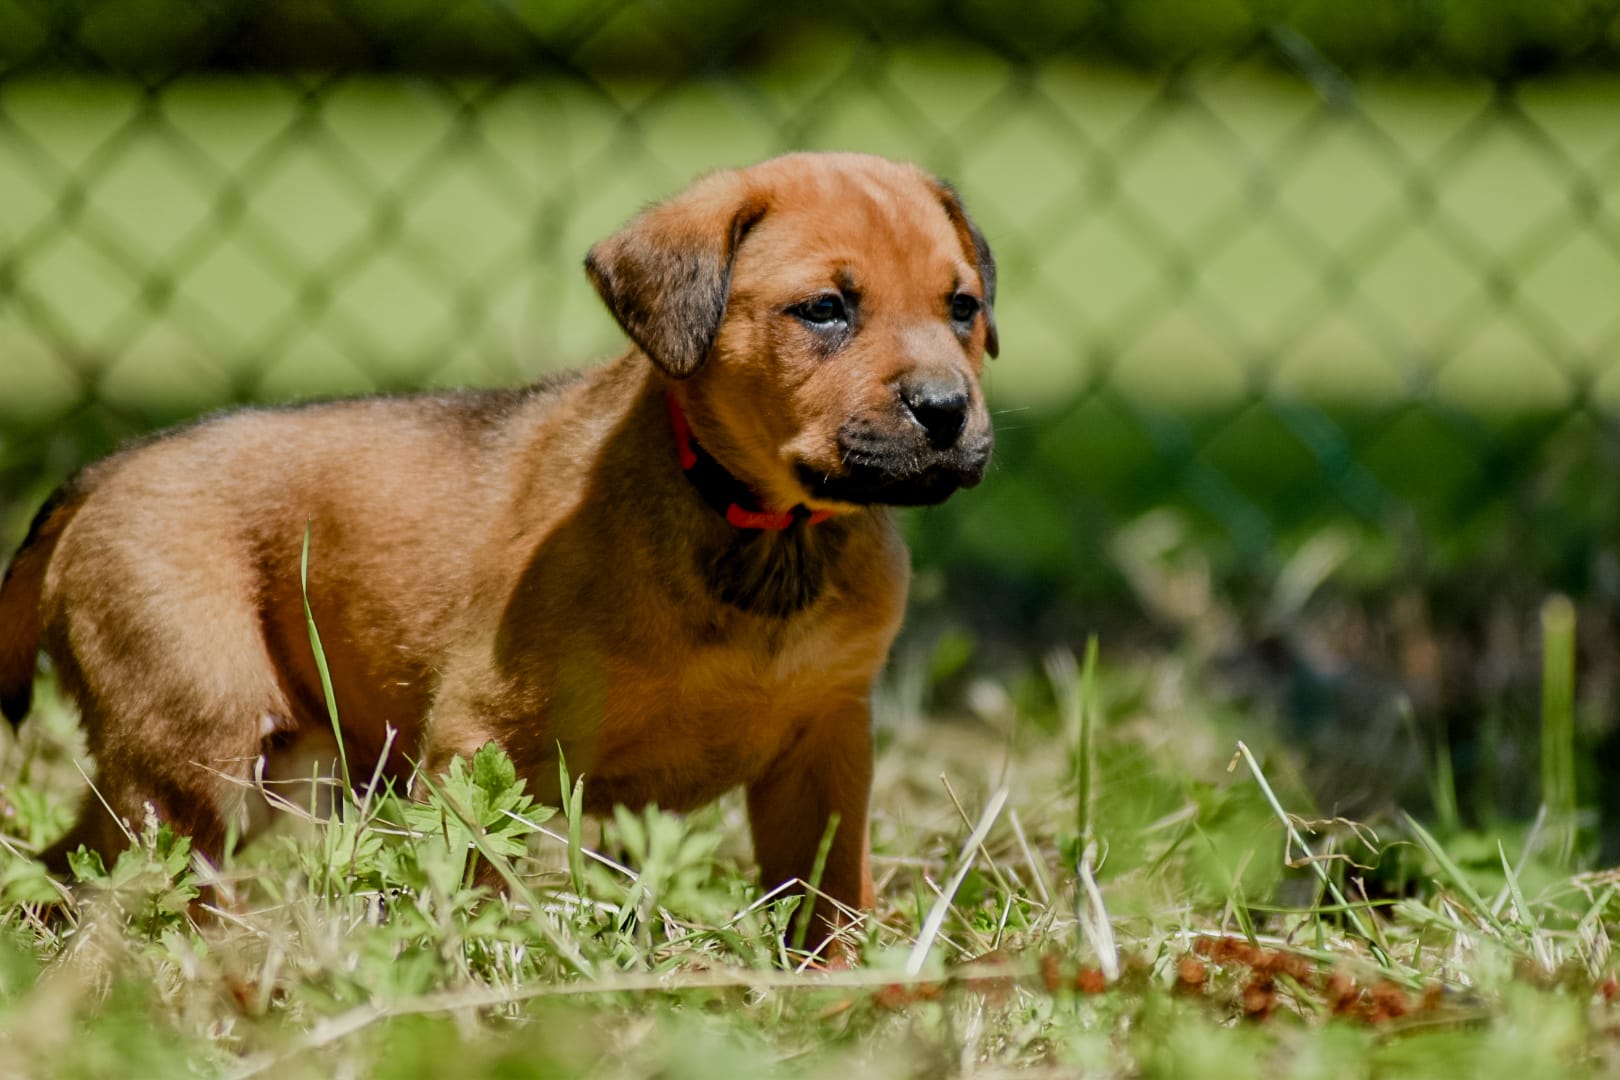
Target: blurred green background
column 1310, row 311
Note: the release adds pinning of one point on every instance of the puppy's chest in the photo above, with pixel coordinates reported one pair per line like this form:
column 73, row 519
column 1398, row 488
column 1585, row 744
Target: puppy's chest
column 773, row 667
column 682, row 728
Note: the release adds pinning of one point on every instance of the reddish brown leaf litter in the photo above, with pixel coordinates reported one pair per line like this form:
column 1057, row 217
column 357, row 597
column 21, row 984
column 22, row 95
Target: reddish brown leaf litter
column 1259, row 998
column 993, row 977
column 1191, row 974
column 893, row 997
column 1231, row 950
column 1090, row 981
column 1386, row 1002
column 1341, row 993
column 1056, row 977
column 244, row 994
column 1226, row 950
column 1337, row 991
column 1051, row 973
column 1258, row 983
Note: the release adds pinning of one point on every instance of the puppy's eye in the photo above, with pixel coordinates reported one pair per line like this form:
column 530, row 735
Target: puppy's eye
column 964, row 307
column 824, row 310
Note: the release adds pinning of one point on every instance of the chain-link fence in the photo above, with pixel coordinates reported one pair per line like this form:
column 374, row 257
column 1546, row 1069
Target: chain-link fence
column 1287, row 294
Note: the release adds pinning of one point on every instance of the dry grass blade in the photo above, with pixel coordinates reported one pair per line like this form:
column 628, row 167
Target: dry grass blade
column 1317, row 867
column 1094, row 917
column 942, row 904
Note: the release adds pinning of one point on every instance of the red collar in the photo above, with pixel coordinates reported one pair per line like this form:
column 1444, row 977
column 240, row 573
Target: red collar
column 723, row 491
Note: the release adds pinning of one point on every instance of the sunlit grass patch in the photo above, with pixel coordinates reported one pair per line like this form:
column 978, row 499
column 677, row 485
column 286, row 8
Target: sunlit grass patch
column 1212, row 943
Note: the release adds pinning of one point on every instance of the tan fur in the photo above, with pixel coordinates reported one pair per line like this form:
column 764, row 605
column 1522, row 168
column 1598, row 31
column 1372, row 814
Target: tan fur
column 528, row 566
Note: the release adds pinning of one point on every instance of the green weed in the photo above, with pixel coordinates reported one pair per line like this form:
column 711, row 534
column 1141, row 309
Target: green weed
column 1133, row 908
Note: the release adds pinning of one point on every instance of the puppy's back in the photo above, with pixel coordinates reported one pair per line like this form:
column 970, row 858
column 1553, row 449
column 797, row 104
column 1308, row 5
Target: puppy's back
column 228, row 497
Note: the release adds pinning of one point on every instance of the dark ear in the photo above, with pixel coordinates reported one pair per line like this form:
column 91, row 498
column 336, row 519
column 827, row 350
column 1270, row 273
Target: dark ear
column 973, row 242
column 666, row 275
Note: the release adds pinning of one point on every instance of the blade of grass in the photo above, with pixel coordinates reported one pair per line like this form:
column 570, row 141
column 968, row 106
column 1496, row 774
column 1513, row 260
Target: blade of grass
column 1532, row 842
column 378, row 783
column 1454, row 873
column 1591, row 935
column 1522, row 913
column 1558, row 724
column 801, row 920
column 942, row 903
column 1316, row 866
column 573, row 799
column 1087, row 750
column 1006, row 886
column 1094, row 917
column 1037, row 870
column 595, row 856
column 1237, row 905
column 320, row 666
column 1443, row 787
column 1076, row 689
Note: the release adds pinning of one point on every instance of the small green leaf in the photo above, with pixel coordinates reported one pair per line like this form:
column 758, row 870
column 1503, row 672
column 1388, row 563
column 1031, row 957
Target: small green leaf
column 493, row 771
column 86, row 865
column 26, row 881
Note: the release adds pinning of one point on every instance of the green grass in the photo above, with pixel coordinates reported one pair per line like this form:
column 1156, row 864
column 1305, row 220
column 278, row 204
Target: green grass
column 1170, row 930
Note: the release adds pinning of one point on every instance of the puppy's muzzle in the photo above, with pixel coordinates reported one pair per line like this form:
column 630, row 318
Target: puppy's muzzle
column 935, row 440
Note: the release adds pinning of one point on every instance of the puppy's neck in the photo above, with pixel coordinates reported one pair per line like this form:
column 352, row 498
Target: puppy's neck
column 774, row 574
column 746, row 557
column 727, row 495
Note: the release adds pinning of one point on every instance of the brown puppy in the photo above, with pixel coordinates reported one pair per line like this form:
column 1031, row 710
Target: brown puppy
column 676, row 565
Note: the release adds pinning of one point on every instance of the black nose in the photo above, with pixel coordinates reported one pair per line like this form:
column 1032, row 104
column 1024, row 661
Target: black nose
column 941, row 410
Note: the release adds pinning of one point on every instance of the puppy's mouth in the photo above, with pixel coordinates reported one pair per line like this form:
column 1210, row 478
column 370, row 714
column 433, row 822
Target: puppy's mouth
column 898, row 474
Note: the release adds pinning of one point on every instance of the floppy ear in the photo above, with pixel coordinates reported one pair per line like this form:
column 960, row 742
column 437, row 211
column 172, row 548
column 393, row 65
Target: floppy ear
column 666, row 275
column 973, row 241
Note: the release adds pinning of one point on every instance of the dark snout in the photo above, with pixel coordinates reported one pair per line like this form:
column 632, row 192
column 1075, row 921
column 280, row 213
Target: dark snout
column 933, row 439
column 938, row 403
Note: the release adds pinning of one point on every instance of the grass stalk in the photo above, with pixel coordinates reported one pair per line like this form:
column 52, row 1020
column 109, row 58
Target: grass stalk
column 942, row 903
column 572, row 796
column 1558, row 725
column 1314, row 863
column 806, row 911
column 1094, row 919
column 326, row 674
column 1459, row 879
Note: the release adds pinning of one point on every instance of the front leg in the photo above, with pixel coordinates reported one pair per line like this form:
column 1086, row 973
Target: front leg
column 827, row 771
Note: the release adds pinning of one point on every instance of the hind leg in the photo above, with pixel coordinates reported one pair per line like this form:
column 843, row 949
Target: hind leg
column 97, row 828
column 177, row 695
column 93, row 829
column 195, row 777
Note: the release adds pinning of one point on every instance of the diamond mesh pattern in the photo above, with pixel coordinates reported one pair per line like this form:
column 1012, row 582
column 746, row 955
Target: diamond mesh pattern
column 1236, row 278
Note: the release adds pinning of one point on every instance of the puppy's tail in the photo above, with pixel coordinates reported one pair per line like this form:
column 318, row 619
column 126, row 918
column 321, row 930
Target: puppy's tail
column 20, row 592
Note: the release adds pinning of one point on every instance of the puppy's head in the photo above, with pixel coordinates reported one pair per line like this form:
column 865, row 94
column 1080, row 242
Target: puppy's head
column 824, row 318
